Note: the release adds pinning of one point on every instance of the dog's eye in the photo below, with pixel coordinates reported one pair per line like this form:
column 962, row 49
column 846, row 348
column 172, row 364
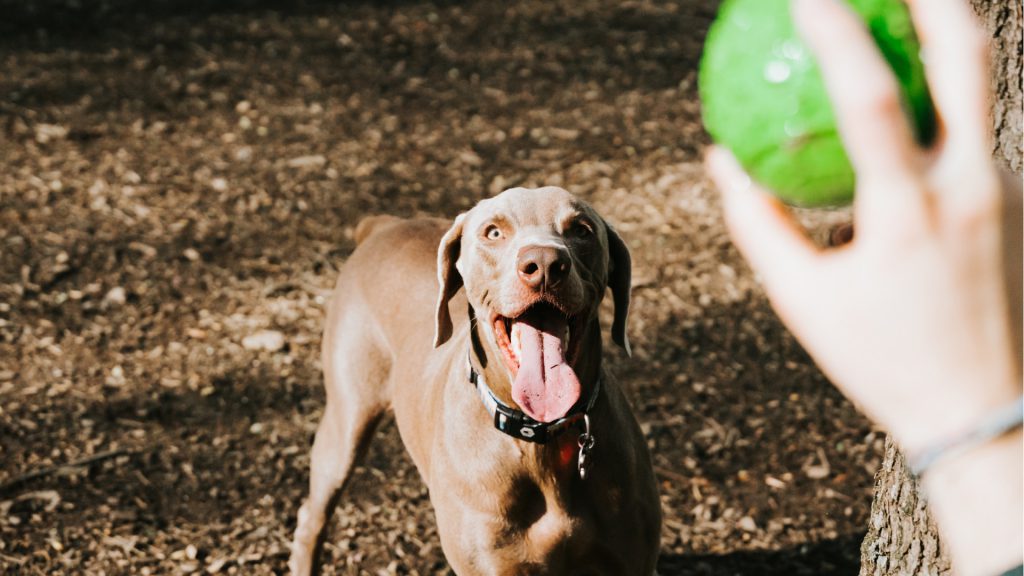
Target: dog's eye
column 493, row 233
column 581, row 229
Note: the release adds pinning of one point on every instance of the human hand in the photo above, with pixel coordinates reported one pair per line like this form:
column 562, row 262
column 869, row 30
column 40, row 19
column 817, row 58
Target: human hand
column 909, row 319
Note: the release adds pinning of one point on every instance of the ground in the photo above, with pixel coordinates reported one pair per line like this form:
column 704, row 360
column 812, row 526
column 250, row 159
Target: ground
column 180, row 183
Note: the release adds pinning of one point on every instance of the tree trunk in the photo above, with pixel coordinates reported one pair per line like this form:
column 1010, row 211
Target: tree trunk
column 902, row 538
column 1002, row 18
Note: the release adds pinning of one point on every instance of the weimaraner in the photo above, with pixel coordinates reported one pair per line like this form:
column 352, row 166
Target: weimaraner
column 534, row 460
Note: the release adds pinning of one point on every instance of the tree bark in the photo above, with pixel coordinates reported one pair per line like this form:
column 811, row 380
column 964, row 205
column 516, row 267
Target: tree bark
column 1002, row 19
column 902, row 538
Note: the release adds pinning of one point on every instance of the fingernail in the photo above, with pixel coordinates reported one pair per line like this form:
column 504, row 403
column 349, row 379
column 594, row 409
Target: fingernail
column 741, row 183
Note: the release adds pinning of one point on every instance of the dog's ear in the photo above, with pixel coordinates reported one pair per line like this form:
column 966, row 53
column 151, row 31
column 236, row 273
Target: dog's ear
column 448, row 278
column 620, row 277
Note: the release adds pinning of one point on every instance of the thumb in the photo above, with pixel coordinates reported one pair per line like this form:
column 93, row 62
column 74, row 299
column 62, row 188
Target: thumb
column 762, row 228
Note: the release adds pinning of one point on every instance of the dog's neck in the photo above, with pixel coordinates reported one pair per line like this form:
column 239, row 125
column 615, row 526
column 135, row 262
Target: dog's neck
column 487, row 358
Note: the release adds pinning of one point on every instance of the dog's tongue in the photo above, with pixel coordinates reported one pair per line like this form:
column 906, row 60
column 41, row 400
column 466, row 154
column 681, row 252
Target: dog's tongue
column 545, row 386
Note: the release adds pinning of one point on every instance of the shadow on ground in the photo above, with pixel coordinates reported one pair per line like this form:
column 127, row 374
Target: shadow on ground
column 839, row 557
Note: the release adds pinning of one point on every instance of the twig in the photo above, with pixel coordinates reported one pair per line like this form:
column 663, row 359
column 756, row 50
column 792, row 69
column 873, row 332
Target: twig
column 670, row 474
column 13, row 559
column 28, row 476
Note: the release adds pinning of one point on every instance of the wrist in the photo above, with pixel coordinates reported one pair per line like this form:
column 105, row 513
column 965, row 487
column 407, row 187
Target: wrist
column 954, row 411
column 987, row 428
column 976, row 498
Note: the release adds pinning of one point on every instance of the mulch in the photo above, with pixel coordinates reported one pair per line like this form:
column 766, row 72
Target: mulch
column 181, row 181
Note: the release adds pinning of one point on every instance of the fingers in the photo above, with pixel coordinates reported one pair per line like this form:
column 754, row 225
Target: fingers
column 868, row 111
column 956, row 60
column 762, row 228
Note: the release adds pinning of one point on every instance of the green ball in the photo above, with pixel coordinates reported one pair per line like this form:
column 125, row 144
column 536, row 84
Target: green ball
column 763, row 97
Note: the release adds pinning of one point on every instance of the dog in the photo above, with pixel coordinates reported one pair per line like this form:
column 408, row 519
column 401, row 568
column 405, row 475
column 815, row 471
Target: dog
column 483, row 337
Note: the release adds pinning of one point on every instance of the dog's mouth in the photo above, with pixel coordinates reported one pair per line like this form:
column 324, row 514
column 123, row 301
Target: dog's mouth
column 539, row 348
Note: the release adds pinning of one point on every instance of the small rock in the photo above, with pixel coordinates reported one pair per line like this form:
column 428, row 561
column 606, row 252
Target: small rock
column 747, row 524
column 243, row 154
column 471, row 158
column 47, row 132
column 116, row 296
column 270, row 340
column 216, row 565
column 116, row 378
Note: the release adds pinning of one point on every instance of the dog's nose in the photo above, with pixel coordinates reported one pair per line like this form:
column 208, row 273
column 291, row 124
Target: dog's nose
column 542, row 267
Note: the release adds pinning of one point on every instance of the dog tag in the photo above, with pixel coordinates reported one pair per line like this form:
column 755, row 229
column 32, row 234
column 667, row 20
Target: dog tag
column 586, row 442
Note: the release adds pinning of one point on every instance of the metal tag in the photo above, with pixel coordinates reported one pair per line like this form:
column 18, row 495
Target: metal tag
column 586, row 442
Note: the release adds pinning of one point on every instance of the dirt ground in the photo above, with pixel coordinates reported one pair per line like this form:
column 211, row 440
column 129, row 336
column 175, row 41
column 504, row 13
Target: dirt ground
column 179, row 184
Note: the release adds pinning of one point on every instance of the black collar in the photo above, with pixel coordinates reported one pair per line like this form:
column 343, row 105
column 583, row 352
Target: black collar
column 517, row 424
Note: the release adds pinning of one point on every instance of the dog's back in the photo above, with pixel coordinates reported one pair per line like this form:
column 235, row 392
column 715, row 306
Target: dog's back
column 372, row 224
column 393, row 268
column 386, row 290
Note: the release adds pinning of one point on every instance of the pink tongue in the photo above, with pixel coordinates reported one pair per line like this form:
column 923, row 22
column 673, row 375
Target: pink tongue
column 545, row 386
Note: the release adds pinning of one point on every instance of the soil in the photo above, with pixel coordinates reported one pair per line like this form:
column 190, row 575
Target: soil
column 180, row 183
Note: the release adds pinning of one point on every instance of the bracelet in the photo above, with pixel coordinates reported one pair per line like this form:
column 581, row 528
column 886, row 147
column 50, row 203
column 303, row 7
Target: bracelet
column 992, row 426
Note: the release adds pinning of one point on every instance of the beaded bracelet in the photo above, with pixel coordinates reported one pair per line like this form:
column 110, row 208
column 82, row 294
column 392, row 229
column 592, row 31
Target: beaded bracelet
column 997, row 423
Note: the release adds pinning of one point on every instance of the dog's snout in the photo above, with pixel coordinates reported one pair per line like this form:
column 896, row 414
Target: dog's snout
column 542, row 267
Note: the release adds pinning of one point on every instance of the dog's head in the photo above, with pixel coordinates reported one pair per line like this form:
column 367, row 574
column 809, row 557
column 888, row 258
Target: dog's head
column 535, row 264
